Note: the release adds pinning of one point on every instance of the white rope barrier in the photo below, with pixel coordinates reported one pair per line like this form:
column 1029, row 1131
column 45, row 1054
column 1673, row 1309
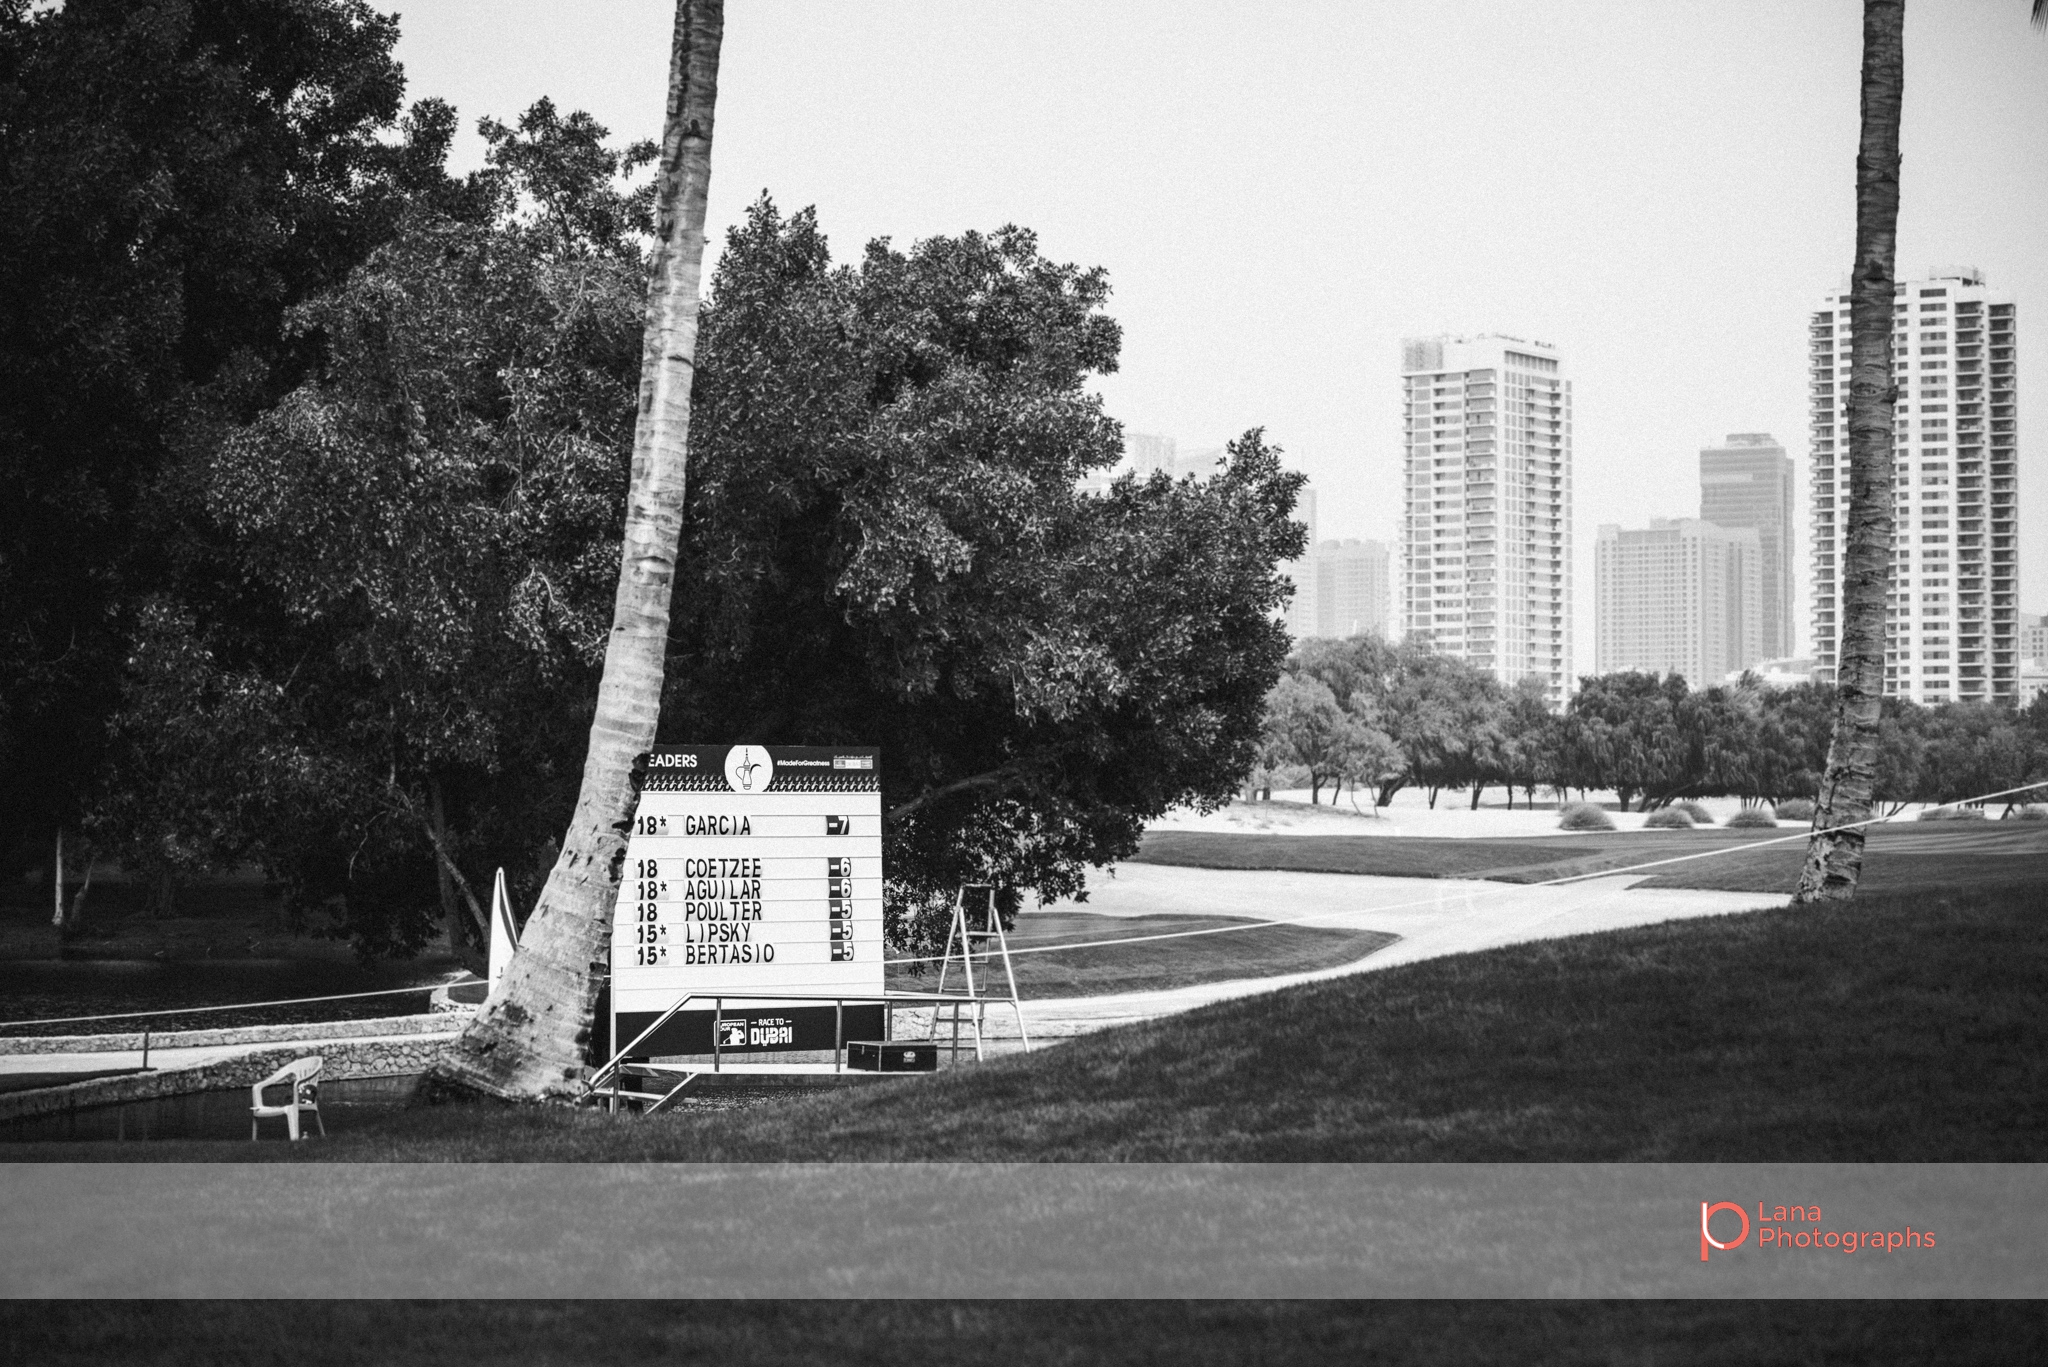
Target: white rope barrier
column 235, row 1006
column 1499, row 887
column 1128, row 939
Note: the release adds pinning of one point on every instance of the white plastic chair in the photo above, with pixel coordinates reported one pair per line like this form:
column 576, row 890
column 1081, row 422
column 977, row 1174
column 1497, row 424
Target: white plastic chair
column 303, row 1077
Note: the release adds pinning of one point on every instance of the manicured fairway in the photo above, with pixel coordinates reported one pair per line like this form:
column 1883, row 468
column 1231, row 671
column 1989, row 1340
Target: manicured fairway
column 1908, row 1028
column 1936, row 856
column 1197, row 958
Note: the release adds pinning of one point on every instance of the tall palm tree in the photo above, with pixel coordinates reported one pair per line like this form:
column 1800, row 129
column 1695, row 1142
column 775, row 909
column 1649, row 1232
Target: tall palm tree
column 1834, row 857
column 529, row 1041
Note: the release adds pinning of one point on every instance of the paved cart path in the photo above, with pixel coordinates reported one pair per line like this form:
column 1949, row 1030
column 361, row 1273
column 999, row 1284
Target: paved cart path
column 1433, row 917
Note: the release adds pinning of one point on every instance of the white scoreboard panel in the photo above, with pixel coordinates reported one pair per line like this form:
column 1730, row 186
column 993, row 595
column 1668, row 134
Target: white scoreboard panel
column 751, row 871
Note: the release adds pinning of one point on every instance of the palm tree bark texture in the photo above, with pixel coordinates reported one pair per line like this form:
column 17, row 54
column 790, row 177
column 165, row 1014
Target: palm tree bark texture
column 529, row 1041
column 1834, row 856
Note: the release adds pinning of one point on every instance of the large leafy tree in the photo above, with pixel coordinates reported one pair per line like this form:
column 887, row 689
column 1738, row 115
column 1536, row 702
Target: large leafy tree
column 885, row 544
column 1528, row 748
column 1792, row 743
column 1622, row 731
column 1446, row 714
column 174, row 176
column 1305, row 727
column 380, row 690
column 1975, row 748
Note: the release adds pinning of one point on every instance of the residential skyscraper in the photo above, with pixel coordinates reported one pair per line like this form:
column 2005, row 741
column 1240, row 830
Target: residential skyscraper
column 1148, row 452
column 1486, row 535
column 1301, row 609
column 1682, row 597
column 1954, row 610
column 1748, row 483
column 1351, row 588
column 1341, row 589
column 2034, row 637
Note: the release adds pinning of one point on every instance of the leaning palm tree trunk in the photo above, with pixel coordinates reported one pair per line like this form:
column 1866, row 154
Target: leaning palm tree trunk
column 530, row 1040
column 1834, row 858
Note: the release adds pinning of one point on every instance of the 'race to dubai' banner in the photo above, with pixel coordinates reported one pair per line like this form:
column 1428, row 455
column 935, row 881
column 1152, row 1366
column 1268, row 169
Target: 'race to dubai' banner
column 751, row 871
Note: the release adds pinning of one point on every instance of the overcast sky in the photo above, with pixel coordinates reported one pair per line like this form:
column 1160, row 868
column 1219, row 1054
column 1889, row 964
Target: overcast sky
column 1282, row 191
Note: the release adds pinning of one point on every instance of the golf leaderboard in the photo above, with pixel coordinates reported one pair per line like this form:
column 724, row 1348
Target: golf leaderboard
column 751, row 871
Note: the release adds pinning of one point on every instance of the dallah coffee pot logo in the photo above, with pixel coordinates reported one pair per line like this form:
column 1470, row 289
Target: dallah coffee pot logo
column 749, row 769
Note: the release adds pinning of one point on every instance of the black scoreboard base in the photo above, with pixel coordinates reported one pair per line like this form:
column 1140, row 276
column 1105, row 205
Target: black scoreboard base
column 892, row 1056
column 754, row 1029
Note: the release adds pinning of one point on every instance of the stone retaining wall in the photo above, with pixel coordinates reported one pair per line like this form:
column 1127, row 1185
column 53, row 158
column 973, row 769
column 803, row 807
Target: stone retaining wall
column 392, row 1056
column 440, row 1022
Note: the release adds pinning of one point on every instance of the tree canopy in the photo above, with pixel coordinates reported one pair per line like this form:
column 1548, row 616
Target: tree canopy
column 1650, row 739
column 381, row 693
column 174, row 177
column 885, row 543
column 381, row 689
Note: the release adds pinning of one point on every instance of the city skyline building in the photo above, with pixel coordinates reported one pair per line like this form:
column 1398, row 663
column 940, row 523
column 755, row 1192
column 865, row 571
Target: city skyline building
column 1486, row 531
column 1341, row 589
column 1682, row 596
column 2034, row 637
column 1953, row 612
column 1352, row 588
column 1147, row 452
column 1747, row 482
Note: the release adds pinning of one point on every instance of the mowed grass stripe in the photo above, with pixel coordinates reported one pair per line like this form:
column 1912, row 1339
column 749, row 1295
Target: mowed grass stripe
column 1086, row 971
column 1904, row 858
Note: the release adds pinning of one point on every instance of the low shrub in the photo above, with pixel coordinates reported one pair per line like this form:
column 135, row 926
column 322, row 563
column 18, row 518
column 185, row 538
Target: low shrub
column 1754, row 818
column 1952, row 814
column 1795, row 809
column 1585, row 816
column 1668, row 819
column 1696, row 810
column 2031, row 814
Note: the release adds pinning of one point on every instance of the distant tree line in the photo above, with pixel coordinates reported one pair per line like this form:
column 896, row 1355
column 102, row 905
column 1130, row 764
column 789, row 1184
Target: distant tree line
column 1378, row 717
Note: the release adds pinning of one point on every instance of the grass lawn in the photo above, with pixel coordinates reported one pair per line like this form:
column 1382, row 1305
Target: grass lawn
column 1937, row 857
column 1160, row 964
column 1025, row 1334
column 1900, row 1028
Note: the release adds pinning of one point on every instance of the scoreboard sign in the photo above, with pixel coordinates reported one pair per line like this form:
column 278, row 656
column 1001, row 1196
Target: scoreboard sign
column 751, row 871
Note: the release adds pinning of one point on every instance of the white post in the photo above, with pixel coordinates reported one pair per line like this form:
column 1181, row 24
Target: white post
column 504, row 940
column 57, row 889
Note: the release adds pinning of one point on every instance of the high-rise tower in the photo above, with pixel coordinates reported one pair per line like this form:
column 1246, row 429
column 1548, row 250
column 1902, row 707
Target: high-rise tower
column 1954, row 609
column 1486, row 535
column 1351, row 588
column 1681, row 597
column 1748, row 483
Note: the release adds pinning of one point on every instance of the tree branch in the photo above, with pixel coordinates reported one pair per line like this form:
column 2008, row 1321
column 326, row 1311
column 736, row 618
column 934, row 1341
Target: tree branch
column 476, row 911
column 997, row 779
